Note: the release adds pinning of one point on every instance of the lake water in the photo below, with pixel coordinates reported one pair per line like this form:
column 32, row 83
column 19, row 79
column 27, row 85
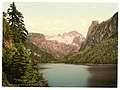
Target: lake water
column 69, row 75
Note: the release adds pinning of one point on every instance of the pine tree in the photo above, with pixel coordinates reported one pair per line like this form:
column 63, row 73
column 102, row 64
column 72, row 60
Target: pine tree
column 15, row 19
column 17, row 65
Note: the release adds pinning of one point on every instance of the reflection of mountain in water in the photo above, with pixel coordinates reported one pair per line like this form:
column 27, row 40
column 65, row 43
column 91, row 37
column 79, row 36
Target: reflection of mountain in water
column 103, row 76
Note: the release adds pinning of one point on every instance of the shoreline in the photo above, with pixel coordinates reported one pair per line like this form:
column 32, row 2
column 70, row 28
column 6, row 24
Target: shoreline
column 91, row 65
column 87, row 64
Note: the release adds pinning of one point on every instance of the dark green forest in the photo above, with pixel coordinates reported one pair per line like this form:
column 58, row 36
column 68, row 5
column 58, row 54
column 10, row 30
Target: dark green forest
column 18, row 69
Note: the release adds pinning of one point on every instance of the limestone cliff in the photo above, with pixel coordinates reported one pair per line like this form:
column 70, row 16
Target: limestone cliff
column 97, row 32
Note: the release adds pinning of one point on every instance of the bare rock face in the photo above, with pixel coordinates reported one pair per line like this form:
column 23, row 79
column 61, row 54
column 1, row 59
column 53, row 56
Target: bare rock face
column 78, row 40
column 59, row 50
column 37, row 38
column 66, row 37
column 93, row 24
column 58, row 45
column 97, row 32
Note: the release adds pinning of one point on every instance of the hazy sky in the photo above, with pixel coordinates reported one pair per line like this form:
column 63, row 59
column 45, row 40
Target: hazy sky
column 57, row 18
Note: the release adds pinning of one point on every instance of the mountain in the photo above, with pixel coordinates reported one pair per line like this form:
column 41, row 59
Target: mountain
column 58, row 45
column 37, row 54
column 36, row 38
column 67, row 37
column 93, row 24
column 78, row 40
column 58, row 49
column 100, row 45
column 97, row 32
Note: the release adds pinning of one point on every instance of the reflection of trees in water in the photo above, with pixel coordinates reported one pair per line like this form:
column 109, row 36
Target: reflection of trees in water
column 103, row 76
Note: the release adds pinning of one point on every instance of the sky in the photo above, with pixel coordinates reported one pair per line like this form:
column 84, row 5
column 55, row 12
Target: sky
column 51, row 18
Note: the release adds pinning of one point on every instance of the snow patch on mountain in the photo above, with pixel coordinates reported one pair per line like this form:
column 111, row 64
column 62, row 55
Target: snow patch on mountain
column 66, row 37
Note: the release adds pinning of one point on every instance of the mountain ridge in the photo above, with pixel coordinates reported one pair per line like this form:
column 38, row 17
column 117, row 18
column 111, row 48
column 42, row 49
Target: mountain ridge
column 58, row 45
column 66, row 37
column 100, row 31
column 100, row 45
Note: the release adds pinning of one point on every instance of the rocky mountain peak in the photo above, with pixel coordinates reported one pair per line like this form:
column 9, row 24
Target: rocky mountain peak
column 74, row 33
column 66, row 37
column 97, row 32
column 58, row 45
column 93, row 24
column 36, row 37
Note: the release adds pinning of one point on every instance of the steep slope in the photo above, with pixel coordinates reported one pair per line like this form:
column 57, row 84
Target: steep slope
column 78, row 40
column 59, row 50
column 36, row 38
column 37, row 54
column 103, row 53
column 58, row 45
column 97, row 32
column 100, row 46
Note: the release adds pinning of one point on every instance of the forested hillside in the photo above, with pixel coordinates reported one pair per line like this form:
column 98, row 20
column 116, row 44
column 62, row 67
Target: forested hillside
column 101, row 31
column 104, row 53
column 100, row 46
column 18, row 69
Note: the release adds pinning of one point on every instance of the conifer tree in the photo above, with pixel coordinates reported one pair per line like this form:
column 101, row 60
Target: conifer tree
column 15, row 19
column 17, row 66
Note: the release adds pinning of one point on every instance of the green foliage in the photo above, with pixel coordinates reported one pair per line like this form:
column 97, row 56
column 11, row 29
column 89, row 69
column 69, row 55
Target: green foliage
column 101, row 31
column 15, row 19
column 17, row 67
column 6, row 33
column 100, row 46
column 105, row 52
column 4, row 80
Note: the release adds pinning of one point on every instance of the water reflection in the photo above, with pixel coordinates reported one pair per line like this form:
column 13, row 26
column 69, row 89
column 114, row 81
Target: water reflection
column 102, row 76
column 66, row 75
